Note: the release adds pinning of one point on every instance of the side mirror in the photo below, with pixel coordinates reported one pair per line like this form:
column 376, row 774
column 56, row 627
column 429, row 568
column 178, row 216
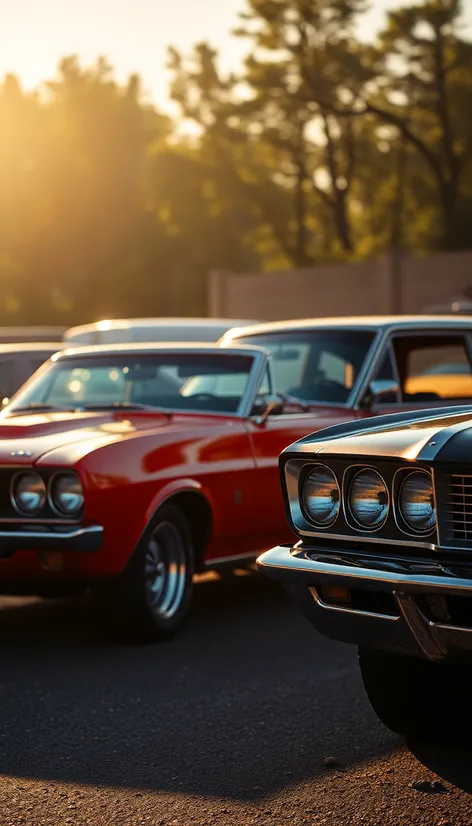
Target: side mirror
column 380, row 389
column 274, row 406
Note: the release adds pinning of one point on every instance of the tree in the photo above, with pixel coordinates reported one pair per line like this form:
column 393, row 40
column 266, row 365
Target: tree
column 422, row 90
column 304, row 62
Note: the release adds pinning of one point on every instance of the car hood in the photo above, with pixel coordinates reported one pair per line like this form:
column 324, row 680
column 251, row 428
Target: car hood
column 424, row 435
column 25, row 439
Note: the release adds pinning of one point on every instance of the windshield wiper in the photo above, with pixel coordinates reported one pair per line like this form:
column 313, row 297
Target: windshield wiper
column 125, row 406
column 43, row 408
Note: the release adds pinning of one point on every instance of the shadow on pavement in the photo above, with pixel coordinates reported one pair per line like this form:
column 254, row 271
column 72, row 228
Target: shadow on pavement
column 451, row 763
column 246, row 701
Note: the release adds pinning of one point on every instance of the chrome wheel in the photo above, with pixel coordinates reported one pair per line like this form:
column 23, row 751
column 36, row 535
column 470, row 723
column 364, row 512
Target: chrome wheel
column 166, row 570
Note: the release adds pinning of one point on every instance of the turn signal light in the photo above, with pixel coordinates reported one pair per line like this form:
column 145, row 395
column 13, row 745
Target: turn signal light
column 52, row 560
column 334, row 594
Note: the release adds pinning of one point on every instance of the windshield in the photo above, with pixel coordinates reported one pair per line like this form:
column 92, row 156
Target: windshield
column 209, row 382
column 315, row 365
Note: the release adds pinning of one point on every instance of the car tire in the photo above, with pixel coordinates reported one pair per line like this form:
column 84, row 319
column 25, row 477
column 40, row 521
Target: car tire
column 152, row 597
column 415, row 698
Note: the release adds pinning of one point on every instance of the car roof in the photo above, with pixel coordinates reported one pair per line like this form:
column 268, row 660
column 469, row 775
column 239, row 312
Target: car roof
column 148, row 348
column 31, row 346
column 124, row 323
column 353, row 323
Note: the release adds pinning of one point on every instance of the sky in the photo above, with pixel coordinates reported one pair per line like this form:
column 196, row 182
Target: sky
column 132, row 34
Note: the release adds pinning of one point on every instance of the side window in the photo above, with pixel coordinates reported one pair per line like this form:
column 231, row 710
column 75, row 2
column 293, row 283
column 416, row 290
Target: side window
column 7, row 379
column 433, row 368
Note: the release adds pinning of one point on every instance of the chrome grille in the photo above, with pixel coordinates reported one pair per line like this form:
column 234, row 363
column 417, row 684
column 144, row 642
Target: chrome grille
column 458, row 508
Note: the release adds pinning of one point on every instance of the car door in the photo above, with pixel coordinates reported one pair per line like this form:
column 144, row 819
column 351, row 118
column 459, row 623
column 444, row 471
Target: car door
column 430, row 368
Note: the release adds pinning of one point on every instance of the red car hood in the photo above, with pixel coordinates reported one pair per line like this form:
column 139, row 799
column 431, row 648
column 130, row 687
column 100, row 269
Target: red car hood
column 25, row 439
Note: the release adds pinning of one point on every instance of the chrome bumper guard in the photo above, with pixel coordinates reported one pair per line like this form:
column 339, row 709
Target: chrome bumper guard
column 407, row 629
column 75, row 539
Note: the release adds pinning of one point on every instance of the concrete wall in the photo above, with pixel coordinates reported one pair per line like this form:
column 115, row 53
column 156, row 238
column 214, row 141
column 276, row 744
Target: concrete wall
column 386, row 286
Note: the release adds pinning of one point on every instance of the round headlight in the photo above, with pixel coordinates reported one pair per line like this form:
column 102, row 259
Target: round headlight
column 67, row 494
column 28, row 493
column 416, row 501
column 368, row 499
column 320, row 496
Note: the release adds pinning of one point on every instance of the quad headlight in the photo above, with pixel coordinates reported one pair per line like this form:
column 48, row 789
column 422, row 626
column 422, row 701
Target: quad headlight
column 368, row 499
column 416, row 502
column 28, row 493
column 67, row 495
column 321, row 497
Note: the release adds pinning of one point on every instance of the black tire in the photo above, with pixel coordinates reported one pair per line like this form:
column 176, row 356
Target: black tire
column 415, row 698
column 152, row 604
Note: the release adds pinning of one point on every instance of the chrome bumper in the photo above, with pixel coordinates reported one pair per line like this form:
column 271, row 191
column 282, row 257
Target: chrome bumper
column 406, row 629
column 75, row 539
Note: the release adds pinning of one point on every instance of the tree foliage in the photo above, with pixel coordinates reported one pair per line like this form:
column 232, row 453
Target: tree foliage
column 320, row 146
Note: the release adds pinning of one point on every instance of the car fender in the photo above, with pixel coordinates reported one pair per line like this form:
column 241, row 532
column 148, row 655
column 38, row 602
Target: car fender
column 171, row 489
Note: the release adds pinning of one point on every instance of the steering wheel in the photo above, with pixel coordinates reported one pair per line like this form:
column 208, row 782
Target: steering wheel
column 202, row 397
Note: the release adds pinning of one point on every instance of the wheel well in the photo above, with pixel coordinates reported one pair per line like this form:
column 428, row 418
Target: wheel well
column 198, row 513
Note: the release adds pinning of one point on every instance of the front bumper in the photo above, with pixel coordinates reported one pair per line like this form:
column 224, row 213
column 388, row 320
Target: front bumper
column 80, row 539
column 424, row 605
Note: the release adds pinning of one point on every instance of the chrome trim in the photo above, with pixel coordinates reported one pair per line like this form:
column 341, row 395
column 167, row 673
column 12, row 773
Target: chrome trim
column 352, row 400
column 421, row 628
column 59, row 536
column 284, row 560
column 261, row 361
column 371, row 363
column 346, row 610
column 408, row 471
column 378, row 540
column 50, row 497
column 350, row 516
column 25, row 472
column 438, row 532
column 303, row 507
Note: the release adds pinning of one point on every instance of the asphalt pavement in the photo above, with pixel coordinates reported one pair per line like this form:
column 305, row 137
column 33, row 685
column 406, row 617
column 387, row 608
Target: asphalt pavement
column 248, row 717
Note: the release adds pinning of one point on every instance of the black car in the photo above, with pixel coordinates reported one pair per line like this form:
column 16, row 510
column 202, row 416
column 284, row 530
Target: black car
column 383, row 514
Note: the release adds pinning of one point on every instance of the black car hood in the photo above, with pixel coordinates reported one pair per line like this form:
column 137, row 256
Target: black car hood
column 443, row 434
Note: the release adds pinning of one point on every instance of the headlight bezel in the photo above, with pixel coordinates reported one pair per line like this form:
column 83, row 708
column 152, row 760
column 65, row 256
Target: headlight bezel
column 400, row 478
column 304, row 477
column 295, row 465
column 14, row 497
column 55, row 507
column 351, row 474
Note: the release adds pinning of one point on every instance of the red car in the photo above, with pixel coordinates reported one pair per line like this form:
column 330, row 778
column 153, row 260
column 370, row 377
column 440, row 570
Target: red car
column 128, row 467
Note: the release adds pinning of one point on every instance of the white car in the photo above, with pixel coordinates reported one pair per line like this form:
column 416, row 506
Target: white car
column 122, row 331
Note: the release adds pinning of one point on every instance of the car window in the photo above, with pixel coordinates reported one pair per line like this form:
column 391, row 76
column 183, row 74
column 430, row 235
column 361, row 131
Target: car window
column 315, row 365
column 8, row 384
column 168, row 380
column 433, row 367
